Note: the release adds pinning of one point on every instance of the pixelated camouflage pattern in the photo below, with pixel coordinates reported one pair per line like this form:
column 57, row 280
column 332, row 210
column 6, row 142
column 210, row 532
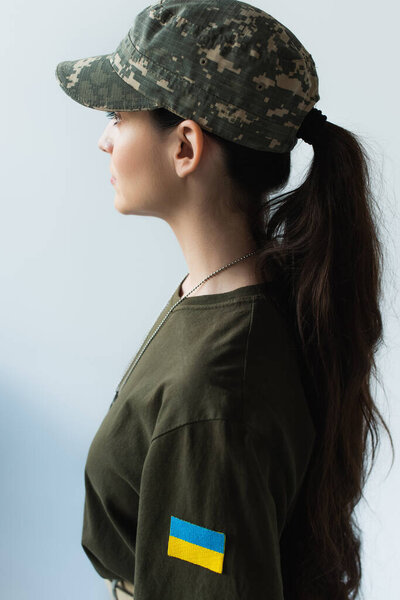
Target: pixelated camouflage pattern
column 229, row 66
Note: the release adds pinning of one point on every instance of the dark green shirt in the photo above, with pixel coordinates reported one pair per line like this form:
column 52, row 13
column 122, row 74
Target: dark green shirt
column 196, row 466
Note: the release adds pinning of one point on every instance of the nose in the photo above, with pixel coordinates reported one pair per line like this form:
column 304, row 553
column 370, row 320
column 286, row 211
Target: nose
column 104, row 144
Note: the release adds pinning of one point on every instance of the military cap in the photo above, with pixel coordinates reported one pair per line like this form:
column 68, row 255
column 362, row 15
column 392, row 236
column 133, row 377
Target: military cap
column 228, row 65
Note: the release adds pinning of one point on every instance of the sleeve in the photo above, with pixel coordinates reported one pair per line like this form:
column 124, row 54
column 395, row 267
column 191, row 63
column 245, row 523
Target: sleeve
column 207, row 520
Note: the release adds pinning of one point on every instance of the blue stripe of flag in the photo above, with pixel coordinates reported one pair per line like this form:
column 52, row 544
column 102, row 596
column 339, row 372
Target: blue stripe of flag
column 213, row 540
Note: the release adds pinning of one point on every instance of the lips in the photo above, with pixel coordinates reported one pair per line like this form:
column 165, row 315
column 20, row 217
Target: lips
column 113, row 180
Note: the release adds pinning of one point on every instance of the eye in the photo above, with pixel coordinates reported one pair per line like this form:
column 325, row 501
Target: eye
column 114, row 115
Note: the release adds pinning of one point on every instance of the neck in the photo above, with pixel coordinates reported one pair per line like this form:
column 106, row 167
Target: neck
column 208, row 247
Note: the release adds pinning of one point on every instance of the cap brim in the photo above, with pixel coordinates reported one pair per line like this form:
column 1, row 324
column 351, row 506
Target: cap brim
column 94, row 83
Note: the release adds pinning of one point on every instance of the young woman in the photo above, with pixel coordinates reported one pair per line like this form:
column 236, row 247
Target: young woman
column 233, row 454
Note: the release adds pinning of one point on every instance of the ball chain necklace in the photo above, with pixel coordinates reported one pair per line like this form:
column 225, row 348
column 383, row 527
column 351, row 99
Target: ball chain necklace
column 134, row 363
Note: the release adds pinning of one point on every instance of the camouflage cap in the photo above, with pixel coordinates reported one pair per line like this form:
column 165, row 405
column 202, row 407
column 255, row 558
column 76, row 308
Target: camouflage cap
column 229, row 66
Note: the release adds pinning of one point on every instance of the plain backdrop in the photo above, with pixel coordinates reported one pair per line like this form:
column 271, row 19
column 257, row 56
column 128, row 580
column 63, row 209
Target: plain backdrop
column 81, row 284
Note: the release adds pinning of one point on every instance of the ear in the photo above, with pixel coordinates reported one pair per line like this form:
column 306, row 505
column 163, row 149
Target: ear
column 189, row 147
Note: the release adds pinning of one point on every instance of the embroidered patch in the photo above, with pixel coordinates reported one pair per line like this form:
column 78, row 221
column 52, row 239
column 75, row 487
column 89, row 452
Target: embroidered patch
column 196, row 544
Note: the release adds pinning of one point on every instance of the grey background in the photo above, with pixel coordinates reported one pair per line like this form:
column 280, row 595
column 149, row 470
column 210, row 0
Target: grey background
column 81, row 284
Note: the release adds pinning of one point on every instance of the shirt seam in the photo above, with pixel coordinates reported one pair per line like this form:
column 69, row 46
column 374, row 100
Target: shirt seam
column 245, row 425
column 235, row 420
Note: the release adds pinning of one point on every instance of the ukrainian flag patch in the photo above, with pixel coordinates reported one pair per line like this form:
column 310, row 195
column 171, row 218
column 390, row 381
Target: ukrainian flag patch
column 196, row 544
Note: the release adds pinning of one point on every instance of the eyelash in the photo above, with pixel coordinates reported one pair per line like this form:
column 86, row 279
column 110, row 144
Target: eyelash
column 114, row 115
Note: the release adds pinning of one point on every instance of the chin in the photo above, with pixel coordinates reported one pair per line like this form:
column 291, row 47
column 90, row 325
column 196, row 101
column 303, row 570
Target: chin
column 119, row 204
column 123, row 211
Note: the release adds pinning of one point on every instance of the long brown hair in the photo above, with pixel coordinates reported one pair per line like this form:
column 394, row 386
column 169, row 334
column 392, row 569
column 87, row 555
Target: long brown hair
column 321, row 240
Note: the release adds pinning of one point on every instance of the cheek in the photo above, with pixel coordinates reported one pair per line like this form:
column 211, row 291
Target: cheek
column 137, row 166
column 126, row 159
column 130, row 142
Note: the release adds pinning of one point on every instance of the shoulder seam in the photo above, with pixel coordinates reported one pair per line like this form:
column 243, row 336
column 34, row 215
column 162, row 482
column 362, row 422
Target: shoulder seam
column 196, row 421
column 238, row 421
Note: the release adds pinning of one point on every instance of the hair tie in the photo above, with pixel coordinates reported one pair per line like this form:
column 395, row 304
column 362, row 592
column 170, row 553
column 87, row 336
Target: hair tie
column 311, row 127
